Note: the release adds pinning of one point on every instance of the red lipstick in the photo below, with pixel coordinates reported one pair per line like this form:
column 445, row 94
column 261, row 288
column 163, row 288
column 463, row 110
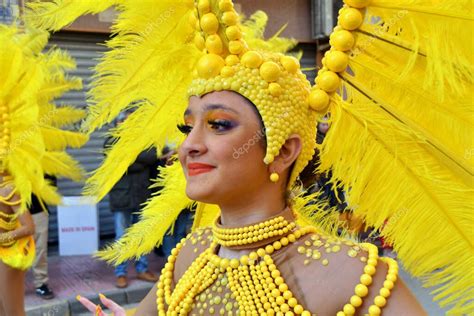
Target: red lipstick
column 195, row 168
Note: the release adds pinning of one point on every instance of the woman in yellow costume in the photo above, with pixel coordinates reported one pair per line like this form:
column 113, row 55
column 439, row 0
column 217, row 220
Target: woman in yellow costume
column 397, row 83
column 31, row 145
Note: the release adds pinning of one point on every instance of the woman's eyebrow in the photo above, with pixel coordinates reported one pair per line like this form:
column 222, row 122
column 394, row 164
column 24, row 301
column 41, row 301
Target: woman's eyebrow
column 216, row 106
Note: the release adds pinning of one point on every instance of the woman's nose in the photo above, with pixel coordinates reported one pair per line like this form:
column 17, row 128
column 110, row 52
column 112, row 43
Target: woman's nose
column 194, row 144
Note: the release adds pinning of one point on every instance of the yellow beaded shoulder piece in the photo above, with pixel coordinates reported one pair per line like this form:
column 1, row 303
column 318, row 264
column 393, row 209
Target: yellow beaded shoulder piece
column 270, row 293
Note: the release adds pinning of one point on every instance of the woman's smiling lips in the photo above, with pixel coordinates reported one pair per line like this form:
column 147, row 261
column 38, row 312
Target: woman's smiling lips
column 195, row 168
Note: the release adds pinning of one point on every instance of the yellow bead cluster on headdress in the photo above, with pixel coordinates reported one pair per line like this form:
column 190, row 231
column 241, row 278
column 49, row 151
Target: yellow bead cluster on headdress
column 336, row 59
column 272, row 81
column 4, row 133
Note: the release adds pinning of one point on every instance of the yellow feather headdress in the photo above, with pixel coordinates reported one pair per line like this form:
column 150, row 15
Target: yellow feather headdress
column 32, row 142
column 397, row 83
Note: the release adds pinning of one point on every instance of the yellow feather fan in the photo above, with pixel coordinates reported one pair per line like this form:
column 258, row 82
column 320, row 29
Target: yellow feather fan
column 401, row 135
column 29, row 81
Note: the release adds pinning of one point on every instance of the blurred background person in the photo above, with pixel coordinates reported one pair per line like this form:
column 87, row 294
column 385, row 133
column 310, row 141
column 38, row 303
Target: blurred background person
column 126, row 198
column 40, row 214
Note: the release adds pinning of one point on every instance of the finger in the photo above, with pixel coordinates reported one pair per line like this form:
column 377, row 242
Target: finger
column 114, row 307
column 91, row 307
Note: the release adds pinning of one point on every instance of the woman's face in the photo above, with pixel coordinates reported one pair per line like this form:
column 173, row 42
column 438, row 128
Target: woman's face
column 222, row 155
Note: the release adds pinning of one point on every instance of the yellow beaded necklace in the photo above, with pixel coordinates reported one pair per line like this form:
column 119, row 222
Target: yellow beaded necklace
column 240, row 236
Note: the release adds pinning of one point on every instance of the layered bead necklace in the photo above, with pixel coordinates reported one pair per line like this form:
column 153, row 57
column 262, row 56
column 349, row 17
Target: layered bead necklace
column 256, row 285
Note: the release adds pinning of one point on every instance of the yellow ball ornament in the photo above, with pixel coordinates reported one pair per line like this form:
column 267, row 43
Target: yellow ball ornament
column 214, row 44
column 199, row 41
column 357, row 3
column 204, row 6
column 235, row 47
column 232, row 60
column 291, row 64
column 328, row 81
column 336, row 61
column 342, row 40
column 350, row 19
column 210, row 65
column 270, row 71
column 251, row 59
column 230, row 18
column 233, row 33
column 319, row 100
column 226, row 5
column 209, row 23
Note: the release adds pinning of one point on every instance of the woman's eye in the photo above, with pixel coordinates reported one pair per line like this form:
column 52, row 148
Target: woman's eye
column 185, row 129
column 220, row 125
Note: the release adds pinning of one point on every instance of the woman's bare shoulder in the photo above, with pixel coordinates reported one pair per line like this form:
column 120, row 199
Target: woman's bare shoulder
column 326, row 272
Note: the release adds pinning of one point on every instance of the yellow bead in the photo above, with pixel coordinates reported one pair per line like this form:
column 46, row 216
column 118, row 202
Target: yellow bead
column 318, row 100
column 365, row 279
column 224, row 263
column 274, row 177
column 230, row 18
column 291, row 64
column 349, row 309
column 356, row 301
column 384, row 292
column 340, row 314
column 252, row 59
column 270, row 71
column 253, row 255
column 350, row 19
column 261, row 252
column 235, row 47
column 209, row 65
column 214, row 44
column 337, row 61
column 292, row 302
column 328, row 81
column 209, row 23
column 342, row 40
column 380, row 301
column 299, row 309
column 234, row 263
column 284, row 307
column 392, row 277
column 369, row 269
column 388, row 284
column 275, row 89
column 357, row 3
column 374, row 310
column 361, row 290
column 305, row 313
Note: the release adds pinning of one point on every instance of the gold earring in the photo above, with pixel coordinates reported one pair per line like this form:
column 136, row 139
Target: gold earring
column 274, row 177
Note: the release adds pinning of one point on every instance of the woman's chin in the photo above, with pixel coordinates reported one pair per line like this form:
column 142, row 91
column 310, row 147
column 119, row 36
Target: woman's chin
column 201, row 194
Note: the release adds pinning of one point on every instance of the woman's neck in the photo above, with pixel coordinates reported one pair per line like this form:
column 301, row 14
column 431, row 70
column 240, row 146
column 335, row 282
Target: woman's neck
column 250, row 211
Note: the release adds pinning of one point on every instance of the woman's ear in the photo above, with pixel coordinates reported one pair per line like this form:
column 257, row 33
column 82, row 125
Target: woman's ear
column 289, row 152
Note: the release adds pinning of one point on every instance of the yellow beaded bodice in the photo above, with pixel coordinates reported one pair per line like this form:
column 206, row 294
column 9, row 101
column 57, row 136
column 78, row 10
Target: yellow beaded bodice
column 276, row 279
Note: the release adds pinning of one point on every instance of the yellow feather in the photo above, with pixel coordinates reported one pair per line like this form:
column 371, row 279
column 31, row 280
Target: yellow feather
column 56, row 14
column 61, row 164
column 158, row 215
